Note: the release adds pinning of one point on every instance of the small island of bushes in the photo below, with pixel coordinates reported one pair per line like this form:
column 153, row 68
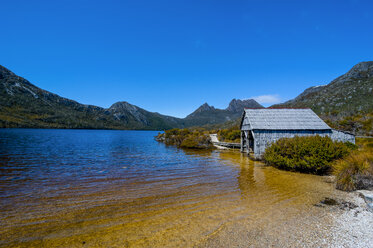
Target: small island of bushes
column 186, row 138
column 197, row 138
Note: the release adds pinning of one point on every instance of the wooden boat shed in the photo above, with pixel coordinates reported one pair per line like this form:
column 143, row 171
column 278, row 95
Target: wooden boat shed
column 261, row 127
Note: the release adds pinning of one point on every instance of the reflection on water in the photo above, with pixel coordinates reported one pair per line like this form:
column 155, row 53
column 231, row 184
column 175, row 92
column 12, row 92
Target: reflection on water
column 74, row 188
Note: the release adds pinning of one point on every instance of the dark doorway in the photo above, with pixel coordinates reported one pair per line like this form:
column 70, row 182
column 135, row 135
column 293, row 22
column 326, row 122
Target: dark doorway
column 251, row 142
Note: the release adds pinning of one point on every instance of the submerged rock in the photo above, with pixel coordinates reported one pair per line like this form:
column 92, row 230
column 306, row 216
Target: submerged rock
column 329, row 179
column 329, row 201
column 347, row 205
column 368, row 197
column 341, row 204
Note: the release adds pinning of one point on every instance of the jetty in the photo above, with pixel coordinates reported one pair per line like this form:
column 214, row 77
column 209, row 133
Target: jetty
column 223, row 145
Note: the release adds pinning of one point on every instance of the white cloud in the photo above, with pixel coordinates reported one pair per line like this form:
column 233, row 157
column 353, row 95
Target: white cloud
column 267, row 99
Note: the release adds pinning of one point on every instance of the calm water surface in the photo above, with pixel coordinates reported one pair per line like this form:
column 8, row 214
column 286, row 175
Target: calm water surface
column 98, row 188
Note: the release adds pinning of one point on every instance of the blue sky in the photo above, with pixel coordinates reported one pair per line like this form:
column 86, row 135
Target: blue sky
column 172, row 56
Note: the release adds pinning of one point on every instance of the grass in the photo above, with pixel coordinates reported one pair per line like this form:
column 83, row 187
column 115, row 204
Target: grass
column 358, row 164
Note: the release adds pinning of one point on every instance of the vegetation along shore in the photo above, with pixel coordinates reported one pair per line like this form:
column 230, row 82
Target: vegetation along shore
column 350, row 164
column 197, row 138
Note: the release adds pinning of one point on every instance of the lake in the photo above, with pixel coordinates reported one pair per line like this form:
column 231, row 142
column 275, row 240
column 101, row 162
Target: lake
column 107, row 188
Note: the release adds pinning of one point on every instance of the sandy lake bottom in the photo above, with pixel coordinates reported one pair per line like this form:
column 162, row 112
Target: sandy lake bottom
column 123, row 189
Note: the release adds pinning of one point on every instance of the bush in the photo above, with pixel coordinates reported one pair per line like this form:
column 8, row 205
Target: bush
column 229, row 135
column 358, row 164
column 310, row 154
column 197, row 142
column 186, row 138
column 346, row 170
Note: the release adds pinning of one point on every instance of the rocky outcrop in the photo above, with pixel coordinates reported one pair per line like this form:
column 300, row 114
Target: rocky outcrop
column 362, row 70
column 363, row 181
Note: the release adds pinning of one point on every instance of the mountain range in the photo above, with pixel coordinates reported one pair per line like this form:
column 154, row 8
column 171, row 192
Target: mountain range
column 22, row 104
column 345, row 103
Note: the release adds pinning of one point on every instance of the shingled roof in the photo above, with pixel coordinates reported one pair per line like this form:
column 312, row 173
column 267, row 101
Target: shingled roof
column 283, row 119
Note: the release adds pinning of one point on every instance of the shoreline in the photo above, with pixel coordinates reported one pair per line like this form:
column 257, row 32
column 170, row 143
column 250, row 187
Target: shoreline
column 333, row 227
column 354, row 227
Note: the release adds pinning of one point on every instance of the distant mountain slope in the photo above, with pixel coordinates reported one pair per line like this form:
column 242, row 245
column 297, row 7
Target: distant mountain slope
column 25, row 105
column 127, row 113
column 22, row 104
column 207, row 114
column 346, row 102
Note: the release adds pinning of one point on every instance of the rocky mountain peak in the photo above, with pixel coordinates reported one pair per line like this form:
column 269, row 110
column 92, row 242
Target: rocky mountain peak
column 119, row 106
column 362, row 67
column 237, row 105
column 362, row 70
column 204, row 107
column 124, row 111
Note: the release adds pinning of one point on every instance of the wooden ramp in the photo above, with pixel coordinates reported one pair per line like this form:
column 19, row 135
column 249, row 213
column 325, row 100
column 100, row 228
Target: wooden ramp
column 215, row 141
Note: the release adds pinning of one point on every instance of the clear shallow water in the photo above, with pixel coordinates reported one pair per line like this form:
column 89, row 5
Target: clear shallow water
column 105, row 188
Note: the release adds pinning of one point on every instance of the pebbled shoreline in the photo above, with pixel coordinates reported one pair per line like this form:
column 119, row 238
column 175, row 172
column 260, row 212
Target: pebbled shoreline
column 347, row 223
column 354, row 227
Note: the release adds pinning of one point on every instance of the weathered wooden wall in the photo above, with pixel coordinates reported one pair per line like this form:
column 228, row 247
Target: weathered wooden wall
column 263, row 138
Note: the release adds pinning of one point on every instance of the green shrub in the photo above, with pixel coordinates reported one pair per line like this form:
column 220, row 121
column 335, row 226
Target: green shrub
column 189, row 142
column 186, row 138
column 229, row 135
column 310, row 154
column 196, row 142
